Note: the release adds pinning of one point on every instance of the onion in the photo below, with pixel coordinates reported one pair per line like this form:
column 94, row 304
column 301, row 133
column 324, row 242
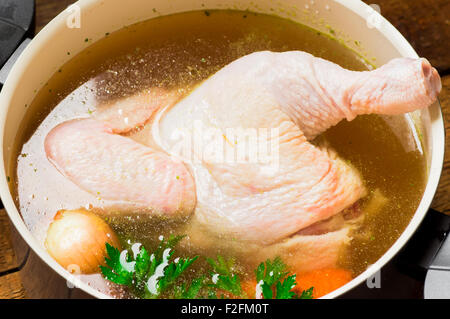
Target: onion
column 76, row 240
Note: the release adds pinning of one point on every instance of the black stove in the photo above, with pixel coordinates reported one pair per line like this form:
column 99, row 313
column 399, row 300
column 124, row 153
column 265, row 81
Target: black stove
column 420, row 270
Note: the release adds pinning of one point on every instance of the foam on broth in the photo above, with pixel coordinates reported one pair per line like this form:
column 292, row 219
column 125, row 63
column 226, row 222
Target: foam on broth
column 180, row 51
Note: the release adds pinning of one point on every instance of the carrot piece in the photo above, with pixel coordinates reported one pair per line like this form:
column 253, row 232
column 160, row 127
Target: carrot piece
column 324, row 281
column 249, row 288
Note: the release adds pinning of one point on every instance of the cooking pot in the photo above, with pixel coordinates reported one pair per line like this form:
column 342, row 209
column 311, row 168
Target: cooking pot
column 357, row 25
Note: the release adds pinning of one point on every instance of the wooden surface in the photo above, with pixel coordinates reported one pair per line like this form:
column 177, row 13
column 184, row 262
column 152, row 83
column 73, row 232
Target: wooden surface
column 425, row 23
column 8, row 260
column 11, row 287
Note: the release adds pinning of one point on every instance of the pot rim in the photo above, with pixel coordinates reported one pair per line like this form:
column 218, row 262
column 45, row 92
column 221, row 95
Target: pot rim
column 354, row 6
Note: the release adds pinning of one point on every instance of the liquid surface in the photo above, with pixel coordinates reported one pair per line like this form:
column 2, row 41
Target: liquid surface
column 179, row 52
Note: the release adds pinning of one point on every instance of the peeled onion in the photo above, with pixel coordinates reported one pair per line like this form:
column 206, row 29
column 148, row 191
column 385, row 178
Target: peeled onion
column 76, row 240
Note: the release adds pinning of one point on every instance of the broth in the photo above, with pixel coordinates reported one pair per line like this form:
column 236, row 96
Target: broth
column 180, row 51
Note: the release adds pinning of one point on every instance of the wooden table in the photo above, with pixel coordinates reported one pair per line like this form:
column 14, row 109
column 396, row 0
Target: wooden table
column 426, row 24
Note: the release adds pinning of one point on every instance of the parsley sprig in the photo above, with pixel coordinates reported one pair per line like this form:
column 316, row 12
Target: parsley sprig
column 276, row 283
column 115, row 272
column 159, row 274
column 223, row 278
column 138, row 273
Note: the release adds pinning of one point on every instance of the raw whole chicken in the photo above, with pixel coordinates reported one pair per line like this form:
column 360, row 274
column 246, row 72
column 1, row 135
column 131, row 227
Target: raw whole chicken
column 294, row 203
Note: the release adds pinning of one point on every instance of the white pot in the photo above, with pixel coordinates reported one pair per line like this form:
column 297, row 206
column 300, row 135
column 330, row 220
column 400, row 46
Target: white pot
column 48, row 52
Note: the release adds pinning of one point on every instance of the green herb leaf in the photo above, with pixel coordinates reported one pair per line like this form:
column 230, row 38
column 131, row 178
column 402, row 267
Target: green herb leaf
column 145, row 266
column 192, row 292
column 276, row 284
column 270, row 272
column 116, row 272
column 272, row 275
column 307, row 294
column 174, row 270
column 284, row 288
column 223, row 277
